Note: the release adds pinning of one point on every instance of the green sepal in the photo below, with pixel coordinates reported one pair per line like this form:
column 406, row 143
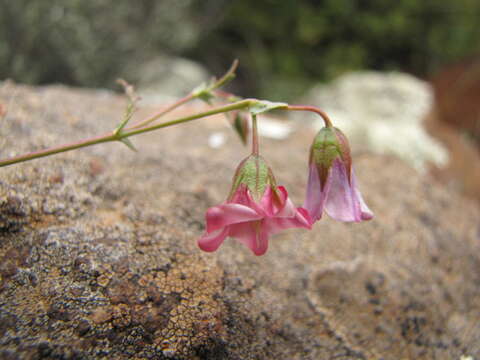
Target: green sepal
column 240, row 125
column 255, row 174
column 262, row 106
column 129, row 144
column 325, row 149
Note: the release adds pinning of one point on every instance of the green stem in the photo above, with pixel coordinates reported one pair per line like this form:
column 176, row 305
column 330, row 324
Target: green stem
column 163, row 112
column 124, row 134
column 58, row 149
column 234, row 106
column 229, row 75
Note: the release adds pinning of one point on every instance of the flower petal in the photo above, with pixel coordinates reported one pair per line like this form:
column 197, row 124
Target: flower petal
column 344, row 201
column 243, row 197
column 289, row 210
column 276, row 203
column 365, row 212
column 316, row 196
column 211, row 241
column 301, row 219
column 252, row 234
column 266, row 202
column 226, row 214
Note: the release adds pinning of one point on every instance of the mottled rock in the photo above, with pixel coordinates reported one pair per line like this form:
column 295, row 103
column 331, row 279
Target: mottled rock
column 98, row 258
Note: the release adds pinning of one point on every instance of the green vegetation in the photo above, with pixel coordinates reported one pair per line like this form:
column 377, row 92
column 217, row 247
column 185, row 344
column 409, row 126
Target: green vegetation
column 282, row 45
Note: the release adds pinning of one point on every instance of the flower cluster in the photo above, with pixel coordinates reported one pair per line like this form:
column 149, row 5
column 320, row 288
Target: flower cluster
column 257, row 208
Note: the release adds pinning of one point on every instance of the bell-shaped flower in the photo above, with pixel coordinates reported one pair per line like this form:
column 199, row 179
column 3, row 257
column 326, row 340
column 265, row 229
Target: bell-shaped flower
column 255, row 209
column 332, row 185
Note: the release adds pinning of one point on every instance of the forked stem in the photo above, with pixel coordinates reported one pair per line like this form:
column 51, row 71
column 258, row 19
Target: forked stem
column 113, row 136
column 229, row 75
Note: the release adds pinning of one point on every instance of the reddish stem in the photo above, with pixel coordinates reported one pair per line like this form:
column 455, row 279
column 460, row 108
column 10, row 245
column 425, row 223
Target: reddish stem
column 326, row 119
column 159, row 114
column 254, row 135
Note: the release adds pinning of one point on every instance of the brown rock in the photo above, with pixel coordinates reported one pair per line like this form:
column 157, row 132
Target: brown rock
column 105, row 265
column 455, row 121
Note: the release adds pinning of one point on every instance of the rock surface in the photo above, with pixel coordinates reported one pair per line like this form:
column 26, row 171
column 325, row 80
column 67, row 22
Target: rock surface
column 167, row 78
column 98, row 256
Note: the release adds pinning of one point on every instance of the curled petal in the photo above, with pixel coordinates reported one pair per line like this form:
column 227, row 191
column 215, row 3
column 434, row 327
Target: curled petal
column 241, row 196
column 244, row 197
column 253, row 234
column 211, row 241
column 344, row 201
column 280, row 199
column 288, row 211
column 274, row 202
column 301, row 219
column 226, row 214
column 365, row 212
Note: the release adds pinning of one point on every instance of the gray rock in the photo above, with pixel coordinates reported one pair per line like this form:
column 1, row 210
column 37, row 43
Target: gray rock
column 98, row 255
column 166, row 78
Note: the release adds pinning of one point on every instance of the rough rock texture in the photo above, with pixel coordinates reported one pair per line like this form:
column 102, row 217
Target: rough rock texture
column 98, row 257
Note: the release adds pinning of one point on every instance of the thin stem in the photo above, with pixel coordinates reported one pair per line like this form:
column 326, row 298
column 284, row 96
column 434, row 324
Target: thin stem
column 254, row 135
column 124, row 133
column 58, row 149
column 229, row 75
column 163, row 112
column 234, row 106
column 326, row 119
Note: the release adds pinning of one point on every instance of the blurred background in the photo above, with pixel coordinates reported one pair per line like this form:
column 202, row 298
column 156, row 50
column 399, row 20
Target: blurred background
column 286, row 48
column 283, row 46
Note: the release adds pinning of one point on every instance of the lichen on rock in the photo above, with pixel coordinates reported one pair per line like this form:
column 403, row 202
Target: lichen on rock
column 98, row 256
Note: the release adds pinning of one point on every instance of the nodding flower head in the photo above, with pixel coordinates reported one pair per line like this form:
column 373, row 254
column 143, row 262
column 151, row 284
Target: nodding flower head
column 332, row 185
column 255, row 209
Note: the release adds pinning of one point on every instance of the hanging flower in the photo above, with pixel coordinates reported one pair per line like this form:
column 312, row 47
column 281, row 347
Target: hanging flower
column 332, row 184
column 255, row 209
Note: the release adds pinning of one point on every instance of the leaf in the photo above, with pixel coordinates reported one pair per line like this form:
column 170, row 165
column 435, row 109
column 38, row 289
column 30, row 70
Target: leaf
column 262, row 106
column 129, row 144
column 240, row 125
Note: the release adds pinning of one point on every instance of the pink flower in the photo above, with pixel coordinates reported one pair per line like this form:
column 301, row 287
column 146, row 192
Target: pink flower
column 256, row 209
column 332, row 184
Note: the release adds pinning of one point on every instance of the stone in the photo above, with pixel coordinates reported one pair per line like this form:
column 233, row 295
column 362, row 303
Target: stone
column 166, row 78
column 100, row 261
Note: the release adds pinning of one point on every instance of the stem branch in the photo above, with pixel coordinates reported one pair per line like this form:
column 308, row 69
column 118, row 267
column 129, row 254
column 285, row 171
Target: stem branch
column 112, row 136
column 159, row 114
column 229, row 75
